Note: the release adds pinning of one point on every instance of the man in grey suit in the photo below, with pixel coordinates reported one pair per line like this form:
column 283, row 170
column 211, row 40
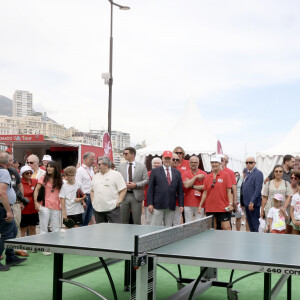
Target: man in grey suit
column 136, row 177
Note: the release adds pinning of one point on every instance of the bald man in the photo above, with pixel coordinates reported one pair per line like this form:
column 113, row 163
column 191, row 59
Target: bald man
column 251, row 193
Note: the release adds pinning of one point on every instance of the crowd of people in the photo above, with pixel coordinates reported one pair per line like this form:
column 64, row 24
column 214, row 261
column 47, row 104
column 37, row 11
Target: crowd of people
column 175, row 190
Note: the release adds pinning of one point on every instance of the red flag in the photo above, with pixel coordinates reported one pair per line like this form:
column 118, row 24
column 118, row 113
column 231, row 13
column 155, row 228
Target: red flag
column 219, row 148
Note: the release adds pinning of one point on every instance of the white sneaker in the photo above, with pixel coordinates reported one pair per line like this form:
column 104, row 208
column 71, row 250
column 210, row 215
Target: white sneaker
column 47, row 253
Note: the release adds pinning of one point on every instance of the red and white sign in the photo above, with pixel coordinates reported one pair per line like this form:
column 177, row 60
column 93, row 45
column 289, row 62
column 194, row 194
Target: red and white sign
column 22, row 138
column 219, row 148
column 107, row 146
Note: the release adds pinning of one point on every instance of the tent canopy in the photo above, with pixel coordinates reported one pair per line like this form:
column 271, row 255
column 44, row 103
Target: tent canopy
column 266, row 160
column 191, row 133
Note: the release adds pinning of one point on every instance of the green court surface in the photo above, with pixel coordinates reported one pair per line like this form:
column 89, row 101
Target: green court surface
column 32, row 280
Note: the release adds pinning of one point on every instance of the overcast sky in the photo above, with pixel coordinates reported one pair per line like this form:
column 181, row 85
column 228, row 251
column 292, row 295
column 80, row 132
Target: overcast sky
column 239, row 61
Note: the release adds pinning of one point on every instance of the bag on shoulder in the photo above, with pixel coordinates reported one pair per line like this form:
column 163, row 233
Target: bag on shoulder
column 41, row 195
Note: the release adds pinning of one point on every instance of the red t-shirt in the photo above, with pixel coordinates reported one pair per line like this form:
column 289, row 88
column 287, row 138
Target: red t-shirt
column 217, row 199
column 231, row 175
column 185, row 166
column 28, row 193
column 192, row 197
column 145, row 190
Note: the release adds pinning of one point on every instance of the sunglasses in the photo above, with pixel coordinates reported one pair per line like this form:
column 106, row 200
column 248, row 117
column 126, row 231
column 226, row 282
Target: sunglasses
column 178, row 153
column 278, row 171
column 213, row 184
column 27, row 173
column 125, row 153
column 293, row 178
column 175, row 159
column 249, row 162
column 30, row 162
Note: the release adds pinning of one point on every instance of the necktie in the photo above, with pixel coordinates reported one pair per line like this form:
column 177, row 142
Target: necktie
column 168, row 176
column 130, row 172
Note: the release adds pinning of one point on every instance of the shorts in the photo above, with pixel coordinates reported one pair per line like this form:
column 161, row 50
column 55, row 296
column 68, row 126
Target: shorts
column 76, row 218
column 294, row 226
column 29, row 220
column 221, row 216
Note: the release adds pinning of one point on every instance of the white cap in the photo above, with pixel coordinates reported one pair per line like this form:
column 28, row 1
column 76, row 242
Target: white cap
column 216, row 158
column 278, row 197
column 47, row 157
column 25, row 169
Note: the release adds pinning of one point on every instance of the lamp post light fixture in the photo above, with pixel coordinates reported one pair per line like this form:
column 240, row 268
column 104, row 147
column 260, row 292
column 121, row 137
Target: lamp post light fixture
column 108, row 78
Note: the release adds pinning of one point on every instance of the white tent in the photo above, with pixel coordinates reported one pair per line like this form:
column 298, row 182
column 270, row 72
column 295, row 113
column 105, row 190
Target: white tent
column 266, row 160
column 191, row 133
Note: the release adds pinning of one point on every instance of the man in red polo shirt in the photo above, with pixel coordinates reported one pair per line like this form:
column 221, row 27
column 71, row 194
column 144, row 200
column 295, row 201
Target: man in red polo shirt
column 217, row 195
column 193, row 184
column 224, row 160
column 177, row 214
column 183, row 164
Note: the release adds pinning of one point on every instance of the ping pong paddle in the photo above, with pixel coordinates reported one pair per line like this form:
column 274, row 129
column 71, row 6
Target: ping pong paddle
column 79, row 193
column 69, row 223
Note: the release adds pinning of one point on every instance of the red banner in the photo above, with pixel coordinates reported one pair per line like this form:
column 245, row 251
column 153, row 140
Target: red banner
column 22, row 138
column 107, row 147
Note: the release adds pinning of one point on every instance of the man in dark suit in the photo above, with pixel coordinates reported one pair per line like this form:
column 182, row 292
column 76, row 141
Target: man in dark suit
column 165, row 186
column 251, row 193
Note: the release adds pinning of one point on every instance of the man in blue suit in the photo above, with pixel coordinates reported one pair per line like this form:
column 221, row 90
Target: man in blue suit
column 251, row 193
column 165, row 186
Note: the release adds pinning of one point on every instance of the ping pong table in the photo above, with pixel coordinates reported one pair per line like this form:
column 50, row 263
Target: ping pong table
column 194, row 244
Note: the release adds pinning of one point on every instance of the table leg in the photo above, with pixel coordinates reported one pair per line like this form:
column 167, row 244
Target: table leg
column 127, row 271
column 267, row 286
column 57, row 274
column 289, row 288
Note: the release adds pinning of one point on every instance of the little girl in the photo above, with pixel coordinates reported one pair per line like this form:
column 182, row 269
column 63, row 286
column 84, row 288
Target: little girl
column 277, row 215
column 295, row 211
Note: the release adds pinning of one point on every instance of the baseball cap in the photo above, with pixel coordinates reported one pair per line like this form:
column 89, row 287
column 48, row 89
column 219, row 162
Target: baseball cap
column 278, row 197
column 215, row 158
column 47, row 157
column 25, row 169
column 167, row 154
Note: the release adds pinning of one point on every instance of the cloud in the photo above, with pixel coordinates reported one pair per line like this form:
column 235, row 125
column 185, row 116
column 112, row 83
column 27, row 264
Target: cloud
column 164, row 51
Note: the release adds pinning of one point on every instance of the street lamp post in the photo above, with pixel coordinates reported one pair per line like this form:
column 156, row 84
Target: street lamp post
column 110, row 78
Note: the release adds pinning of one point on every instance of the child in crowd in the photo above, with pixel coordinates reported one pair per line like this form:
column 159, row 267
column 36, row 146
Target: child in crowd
column 295, row 211
column 277, row 215
column 72, row 207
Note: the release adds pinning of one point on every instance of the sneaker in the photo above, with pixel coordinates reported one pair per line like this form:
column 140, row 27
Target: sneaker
column 15, row 260
column 46, row 253
column 21, row 253
column 243, row 223
column 4, row 268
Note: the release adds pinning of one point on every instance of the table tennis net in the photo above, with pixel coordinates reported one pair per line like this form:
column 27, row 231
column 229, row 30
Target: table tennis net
column 170, row 235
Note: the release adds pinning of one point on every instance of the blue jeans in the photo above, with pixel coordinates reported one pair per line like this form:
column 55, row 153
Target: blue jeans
column 7, row 231
column 88, row 213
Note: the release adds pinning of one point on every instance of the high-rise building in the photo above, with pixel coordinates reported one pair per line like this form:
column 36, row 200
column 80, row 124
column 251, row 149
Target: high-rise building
column 119, row 139
column 22, row 104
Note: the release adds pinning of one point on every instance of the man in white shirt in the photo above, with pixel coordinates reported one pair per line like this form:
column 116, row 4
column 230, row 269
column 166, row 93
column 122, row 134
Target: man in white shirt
column 33, row 162
column 107, row 192
column 84, row 175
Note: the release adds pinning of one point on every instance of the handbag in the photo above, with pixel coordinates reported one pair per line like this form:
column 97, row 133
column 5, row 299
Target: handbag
column 41, row 195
